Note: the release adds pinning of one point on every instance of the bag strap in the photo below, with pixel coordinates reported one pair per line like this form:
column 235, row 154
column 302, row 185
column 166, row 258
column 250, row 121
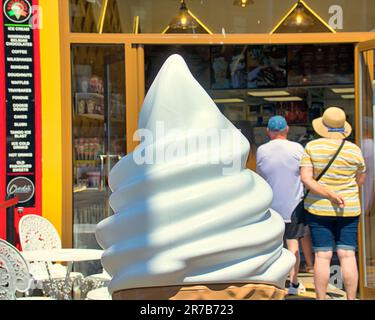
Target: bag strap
column 326, row 167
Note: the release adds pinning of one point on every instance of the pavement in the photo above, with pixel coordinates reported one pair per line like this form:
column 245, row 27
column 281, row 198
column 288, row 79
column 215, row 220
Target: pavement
column 333, row 293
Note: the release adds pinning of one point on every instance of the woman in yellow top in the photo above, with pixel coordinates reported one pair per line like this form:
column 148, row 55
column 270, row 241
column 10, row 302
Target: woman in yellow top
column 333, row 202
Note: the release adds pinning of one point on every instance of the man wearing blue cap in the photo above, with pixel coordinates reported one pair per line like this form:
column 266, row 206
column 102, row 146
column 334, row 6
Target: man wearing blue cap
column 278, row 163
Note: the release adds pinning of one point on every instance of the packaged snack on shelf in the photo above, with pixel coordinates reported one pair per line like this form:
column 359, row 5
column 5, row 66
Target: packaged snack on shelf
column 81, row 148
column 96, row 84
column 93, row 179
column 99, row 108
column 81, row 109
column 90, row 106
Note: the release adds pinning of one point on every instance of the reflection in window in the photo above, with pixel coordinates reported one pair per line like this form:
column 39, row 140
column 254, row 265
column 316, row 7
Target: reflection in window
column 251, row 83
column 219, row 16
column 99, row 131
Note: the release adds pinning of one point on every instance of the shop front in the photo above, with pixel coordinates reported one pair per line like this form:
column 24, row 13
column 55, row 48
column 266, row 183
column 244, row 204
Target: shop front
column 251, row 59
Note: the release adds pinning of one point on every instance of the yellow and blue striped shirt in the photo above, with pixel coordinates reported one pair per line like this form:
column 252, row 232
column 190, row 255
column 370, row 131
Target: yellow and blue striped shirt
column 340, row 177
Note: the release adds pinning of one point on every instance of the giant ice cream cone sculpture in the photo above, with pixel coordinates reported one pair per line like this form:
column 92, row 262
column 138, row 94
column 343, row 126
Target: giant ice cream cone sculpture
column 189, row 226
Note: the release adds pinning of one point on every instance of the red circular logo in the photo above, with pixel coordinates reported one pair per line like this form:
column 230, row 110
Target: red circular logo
column 18, row 11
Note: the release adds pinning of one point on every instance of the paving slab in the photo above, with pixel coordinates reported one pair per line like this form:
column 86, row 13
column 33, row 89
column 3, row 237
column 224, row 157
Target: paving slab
column 333, row 293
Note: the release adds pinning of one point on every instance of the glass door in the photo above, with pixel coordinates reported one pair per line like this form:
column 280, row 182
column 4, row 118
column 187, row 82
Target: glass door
column 99, row 133
column 366, row 86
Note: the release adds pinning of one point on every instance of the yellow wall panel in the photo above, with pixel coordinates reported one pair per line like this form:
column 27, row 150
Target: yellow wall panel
column 51, row 113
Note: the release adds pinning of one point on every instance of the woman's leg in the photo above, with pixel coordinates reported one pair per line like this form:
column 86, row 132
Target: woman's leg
column 322, row 273
column 346, row 240
column 349, row 272
column 321, row 228
column 306, row 245
column 293, row 247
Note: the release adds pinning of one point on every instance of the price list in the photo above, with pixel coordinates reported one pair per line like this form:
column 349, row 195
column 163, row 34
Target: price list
column 20, row 101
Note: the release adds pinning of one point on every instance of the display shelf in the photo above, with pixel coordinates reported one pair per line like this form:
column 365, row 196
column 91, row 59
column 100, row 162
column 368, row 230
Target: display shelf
column 91, row 116
column 82, row 189
column 89, row 95
column 117, row 120
column 87, row 162
column 79, row 189
column 99, row 117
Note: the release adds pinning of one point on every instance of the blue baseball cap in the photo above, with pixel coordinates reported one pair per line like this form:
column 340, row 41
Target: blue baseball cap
column 277, row 123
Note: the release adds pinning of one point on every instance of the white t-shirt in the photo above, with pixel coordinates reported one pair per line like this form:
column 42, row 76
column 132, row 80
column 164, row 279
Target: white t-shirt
column 278, row 163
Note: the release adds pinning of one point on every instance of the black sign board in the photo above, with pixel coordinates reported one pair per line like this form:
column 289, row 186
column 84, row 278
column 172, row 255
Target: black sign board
column 20, row 101
column 320, row 64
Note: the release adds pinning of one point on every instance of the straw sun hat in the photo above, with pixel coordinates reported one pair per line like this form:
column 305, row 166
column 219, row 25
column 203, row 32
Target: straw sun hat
column 333, row 124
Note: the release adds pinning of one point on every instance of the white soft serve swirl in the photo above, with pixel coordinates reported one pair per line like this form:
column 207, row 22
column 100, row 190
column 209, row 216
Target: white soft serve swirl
column 185, row 222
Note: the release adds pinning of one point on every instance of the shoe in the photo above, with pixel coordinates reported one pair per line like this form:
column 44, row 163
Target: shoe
column 296, row 291
column 307, row 269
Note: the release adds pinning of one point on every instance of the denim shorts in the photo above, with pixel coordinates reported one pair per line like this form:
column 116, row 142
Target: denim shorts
column 327, row 231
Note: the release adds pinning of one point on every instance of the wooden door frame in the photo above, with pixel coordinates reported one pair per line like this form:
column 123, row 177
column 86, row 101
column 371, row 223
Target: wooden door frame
column 135, row 84
column 366, row 47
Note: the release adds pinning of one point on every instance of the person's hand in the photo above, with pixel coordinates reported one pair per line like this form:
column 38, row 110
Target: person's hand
column 337, row 200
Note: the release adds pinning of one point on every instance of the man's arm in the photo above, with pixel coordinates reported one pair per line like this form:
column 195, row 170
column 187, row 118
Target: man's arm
column 307, row 177
column 258, row 162
column 360, row 178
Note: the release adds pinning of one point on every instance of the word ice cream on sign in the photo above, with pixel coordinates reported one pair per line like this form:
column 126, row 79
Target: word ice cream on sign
column 185, row 222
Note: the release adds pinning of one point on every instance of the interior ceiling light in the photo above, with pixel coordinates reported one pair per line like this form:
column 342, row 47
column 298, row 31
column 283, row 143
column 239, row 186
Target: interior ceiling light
column 243, row 3
column 299, row 18
column 233, row 100
column 184, row 20
column 343, row 90
column 268, row 93
column 283, row 99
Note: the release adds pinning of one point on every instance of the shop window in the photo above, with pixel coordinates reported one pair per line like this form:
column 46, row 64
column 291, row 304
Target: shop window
column 251, row 83
column 217, row 16
column 99, row 133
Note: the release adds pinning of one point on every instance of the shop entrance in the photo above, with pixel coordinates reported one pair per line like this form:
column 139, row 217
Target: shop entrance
column 252, row 83
column 139, row 59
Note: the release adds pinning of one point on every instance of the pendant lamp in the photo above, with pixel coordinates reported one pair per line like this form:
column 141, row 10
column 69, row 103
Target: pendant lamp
column 243, row 3
column 299, row 18
column 184, row 20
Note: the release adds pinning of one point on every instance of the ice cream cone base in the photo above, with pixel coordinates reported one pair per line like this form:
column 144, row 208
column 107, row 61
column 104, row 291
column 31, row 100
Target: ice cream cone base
column 234, row 291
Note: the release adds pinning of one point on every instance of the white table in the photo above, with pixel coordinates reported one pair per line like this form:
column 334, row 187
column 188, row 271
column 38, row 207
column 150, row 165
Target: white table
column 63, row 255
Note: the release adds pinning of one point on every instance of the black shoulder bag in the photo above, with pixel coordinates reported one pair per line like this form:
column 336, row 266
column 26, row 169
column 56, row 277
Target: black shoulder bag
column 299, row 213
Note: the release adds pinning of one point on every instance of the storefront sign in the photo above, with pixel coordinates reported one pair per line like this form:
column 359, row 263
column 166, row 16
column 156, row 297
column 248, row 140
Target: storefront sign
column 22, row 187
column 20, row 105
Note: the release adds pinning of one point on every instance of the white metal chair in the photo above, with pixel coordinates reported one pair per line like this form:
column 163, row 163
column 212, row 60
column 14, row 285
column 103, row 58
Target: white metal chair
column 14, row 273
column 94, row 281
column 37, row 233
column 99, row 294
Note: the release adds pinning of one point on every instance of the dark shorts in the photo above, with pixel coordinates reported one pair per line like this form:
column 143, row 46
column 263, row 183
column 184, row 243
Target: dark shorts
column 294, row 230
column 327, row 231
